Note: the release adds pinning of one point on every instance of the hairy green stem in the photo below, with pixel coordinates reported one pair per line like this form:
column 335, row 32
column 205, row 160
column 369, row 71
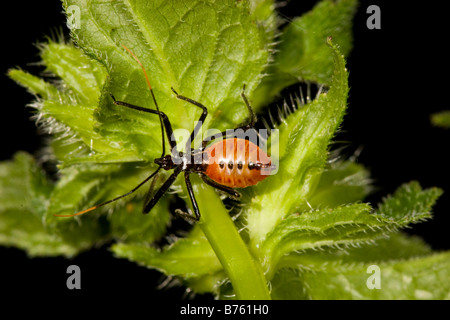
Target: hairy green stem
column 245, row 273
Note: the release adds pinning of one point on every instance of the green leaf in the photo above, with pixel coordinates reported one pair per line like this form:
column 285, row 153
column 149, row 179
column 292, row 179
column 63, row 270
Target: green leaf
column 287, row 282
column 67, row 110
column 398, row 246
column 263, row 10
column 35, row 85
column 304, row 140
column 346, row 271
column 409, row 203
column 441, row 119
column 416, row 278
column 83, row 77
column 24, row 193
column 303, row 53
column 93, row 183
column 83, row 186
column 28, row 202
column 129, row 225
column 342, row 182
column 191, row 257
column 24, row 185
column 347, row 225
column 341, row 272
column 223, row 52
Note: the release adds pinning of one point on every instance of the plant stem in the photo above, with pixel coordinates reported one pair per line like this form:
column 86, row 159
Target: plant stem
column 245, row 273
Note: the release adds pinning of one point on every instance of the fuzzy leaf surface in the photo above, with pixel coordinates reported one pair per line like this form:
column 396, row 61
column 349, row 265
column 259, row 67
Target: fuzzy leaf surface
column 24, row 193
column 341, row 183
column 83, row 185
column 303, row 54
column 304, row 139
column 421, row 278
column 349, row 225
column 191, row 257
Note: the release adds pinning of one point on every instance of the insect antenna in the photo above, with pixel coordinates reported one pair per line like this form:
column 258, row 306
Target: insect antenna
column 112, row 200
column 153, row 96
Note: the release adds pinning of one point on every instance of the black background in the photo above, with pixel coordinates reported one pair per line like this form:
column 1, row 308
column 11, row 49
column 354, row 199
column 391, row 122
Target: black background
column 398, row 77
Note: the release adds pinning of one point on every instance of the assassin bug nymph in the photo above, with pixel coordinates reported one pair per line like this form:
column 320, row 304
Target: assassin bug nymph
column 227, row 164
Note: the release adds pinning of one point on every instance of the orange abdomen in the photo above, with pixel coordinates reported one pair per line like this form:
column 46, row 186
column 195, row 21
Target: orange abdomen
column 237, row 163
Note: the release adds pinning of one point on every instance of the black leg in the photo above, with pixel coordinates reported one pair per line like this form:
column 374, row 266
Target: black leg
column 230, row 191
column 193, row 200
column 165, row 119
column 150, row 189
column 150, row 203
column 200, row 120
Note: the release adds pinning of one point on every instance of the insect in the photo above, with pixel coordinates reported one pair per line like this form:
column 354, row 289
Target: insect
column 226, row 164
